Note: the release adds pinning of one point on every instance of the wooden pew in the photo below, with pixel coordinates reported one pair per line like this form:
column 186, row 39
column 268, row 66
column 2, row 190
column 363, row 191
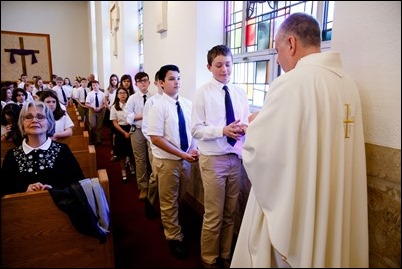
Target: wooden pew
column 87, row 160
column 78, row 128
column 35, row 233
column 5, row 146
column 75, row 142
column 79, row 145
column 71, row 109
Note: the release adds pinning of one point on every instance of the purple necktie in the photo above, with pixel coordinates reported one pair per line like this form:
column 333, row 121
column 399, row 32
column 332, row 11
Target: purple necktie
column 229, row 113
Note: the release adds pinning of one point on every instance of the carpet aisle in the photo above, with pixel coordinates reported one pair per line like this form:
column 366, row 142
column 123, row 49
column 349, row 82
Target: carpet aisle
column 139, row 242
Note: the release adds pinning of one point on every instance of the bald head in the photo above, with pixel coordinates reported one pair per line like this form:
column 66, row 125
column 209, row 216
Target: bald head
column 298, row 36
column 304, row 27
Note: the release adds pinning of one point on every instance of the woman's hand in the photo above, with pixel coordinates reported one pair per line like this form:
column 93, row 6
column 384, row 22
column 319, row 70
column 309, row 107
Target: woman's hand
column 38, row 187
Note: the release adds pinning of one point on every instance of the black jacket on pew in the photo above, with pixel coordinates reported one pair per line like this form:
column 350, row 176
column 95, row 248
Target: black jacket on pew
column 73, row 201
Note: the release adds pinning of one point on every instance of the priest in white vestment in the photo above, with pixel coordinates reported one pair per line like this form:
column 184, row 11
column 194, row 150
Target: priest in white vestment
column 304, row 155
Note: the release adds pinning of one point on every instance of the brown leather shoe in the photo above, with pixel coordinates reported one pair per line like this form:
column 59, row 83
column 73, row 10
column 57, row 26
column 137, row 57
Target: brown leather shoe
column 226, row 263
column 209, row 265
column 178, row 249
column 143, row 194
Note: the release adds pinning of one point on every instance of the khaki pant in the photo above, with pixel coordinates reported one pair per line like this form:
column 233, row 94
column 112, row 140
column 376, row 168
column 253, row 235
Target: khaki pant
column 153, row 180
column 140, row 150
column 173, row 177
column 221, row 177
column 95, row 125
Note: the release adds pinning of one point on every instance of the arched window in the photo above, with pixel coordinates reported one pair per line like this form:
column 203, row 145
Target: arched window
column 250, row 28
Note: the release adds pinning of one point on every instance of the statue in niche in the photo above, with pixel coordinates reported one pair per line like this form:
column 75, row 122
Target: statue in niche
column 114, row 24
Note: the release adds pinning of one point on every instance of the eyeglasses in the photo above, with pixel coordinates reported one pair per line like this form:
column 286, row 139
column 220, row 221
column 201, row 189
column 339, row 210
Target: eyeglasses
column 39, row 117
column 144, row 80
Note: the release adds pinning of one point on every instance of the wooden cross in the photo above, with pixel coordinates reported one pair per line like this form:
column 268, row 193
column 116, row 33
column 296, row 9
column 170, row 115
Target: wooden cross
column 348, row 121
column 24, row 64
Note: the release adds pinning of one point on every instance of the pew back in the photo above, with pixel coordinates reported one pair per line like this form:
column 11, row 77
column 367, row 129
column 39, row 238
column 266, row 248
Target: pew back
column 74, row 142
column 87, row 160
column 37, row 234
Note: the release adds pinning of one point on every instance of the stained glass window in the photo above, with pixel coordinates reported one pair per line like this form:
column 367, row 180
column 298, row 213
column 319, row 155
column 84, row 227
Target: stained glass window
column 250, row 28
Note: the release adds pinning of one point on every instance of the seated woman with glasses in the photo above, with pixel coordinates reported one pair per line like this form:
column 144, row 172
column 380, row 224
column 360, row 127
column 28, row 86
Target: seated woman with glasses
column 39, row 163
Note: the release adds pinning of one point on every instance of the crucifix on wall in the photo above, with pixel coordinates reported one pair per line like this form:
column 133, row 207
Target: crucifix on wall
column 114, row 24
column 22, row 52
column 25, row 53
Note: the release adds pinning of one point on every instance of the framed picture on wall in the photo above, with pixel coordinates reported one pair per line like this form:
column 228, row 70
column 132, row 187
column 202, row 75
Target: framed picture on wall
column 25, row 53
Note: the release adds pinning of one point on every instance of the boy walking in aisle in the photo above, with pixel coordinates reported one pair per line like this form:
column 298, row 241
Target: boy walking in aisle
column 173, row 150
column 219, row 117
column 134, row 108
column 95, row 102
column 153, row 181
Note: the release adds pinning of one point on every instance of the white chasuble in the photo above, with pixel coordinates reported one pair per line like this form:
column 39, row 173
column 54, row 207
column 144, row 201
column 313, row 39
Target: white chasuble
column 304, row 155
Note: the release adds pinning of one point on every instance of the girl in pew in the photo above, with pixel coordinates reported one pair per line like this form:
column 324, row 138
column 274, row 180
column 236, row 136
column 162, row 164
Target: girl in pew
column 9, row 124
column 64, row 124
column 39, row 163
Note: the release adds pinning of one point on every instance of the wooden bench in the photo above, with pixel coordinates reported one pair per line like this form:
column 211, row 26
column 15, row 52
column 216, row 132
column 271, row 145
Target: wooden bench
column 86, row 159
column 5, row 146
column 35, row 233
column 78, row 128
column 74, row 142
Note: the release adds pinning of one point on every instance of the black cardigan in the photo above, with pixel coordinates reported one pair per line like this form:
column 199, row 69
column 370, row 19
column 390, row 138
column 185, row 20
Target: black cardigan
column 56, row 166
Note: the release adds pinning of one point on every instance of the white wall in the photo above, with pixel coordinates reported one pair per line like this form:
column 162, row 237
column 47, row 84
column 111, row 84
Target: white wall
column 368, row 35
column 126, row 60
column 193, row 28
column 67, row 24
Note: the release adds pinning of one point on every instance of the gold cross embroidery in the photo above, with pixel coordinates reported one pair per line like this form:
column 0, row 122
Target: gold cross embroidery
column 348, row 121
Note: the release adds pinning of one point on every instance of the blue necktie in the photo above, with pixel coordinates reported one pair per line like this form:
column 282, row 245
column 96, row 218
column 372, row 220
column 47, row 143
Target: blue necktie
column 182, row 129
column 96, row 100
column 229, row 113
